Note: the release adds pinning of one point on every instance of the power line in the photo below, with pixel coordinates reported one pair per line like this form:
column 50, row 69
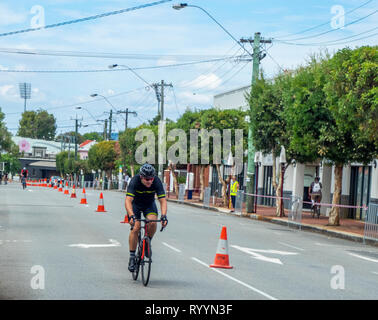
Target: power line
column 331, row 43
column 84, row 54
column 79, row 103
column 85, row 19
column 121, row 69
column 329, row 31
column 327, row 22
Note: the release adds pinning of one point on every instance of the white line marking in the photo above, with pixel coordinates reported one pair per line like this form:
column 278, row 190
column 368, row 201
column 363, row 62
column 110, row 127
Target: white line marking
column 171, row 247
column 114, row 243
column 362, row 257
column 236, row 280
column 289, row 245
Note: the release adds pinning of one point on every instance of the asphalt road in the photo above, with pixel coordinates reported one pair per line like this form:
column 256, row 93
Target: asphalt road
column 52, row 247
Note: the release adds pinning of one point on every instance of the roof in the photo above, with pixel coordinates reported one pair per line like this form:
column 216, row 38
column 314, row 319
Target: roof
column 85, row 143
column 27, row 144
column 46, row 164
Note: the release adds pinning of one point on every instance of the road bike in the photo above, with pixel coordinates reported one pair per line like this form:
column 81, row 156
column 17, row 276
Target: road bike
column 315, row 210
column 143, row 252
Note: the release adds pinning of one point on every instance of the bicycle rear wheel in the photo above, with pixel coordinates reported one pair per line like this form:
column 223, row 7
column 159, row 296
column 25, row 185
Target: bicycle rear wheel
column 146, row 260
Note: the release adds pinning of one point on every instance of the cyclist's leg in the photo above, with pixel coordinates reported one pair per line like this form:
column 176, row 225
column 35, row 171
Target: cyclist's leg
column 151, row 213
column 133, row 236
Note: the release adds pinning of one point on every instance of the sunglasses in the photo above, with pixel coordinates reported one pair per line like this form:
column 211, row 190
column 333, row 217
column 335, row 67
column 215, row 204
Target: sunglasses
column 148, row 179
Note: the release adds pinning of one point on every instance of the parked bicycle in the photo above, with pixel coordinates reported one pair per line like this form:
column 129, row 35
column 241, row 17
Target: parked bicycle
column 143, row 252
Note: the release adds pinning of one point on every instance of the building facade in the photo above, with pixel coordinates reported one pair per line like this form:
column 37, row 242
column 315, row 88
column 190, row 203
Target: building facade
column 359, row 182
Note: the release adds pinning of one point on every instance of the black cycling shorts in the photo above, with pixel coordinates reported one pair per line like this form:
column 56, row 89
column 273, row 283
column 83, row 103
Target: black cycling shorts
column 151, row 209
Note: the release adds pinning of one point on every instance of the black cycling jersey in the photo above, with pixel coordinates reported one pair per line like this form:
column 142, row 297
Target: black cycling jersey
column 142, row 195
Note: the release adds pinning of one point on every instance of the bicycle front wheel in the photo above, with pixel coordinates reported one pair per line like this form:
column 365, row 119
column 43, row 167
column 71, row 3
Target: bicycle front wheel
column 146, row 260
column 137, row 263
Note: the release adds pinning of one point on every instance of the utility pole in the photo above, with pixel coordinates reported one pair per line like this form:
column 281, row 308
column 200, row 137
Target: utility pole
column 127, row 115
column 76, row 132
column 110, row 124
column 106, row 129
column 160, row 98
column 251, row 174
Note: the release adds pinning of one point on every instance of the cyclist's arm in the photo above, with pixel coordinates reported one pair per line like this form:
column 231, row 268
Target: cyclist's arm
column 129, row 206
column 163, row 206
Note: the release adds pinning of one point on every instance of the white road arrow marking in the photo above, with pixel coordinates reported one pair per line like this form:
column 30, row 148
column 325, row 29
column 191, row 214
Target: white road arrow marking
column 258, row 256
column 113, row 243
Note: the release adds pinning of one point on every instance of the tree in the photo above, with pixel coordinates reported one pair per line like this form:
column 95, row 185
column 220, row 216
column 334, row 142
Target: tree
column 352, row 99
column 65, row 162
column 221, row 120
column 37, row 125
column 70, row 135
column 269, row 130
column 103, row 156
column 93, row 136
column 5, row 136
column 128, row 147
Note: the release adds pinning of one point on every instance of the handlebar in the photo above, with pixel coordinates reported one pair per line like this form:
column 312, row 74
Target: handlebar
column 146, row 221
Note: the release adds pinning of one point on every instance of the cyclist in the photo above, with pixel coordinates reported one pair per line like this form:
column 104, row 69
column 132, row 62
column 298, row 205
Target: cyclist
column 140, row 197
column 315, row 191
column 24, row 175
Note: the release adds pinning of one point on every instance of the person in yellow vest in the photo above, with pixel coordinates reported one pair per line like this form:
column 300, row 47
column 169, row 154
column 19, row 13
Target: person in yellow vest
column 233, row 191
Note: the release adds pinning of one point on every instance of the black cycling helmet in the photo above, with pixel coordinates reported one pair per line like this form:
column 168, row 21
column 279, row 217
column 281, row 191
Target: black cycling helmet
column 147, row 171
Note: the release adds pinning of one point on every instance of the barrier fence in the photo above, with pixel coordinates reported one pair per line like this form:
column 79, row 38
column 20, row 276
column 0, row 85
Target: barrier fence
column 371, row 223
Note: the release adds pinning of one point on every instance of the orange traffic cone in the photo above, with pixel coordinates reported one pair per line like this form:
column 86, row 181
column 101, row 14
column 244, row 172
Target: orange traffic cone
column 101, row 207
column 66, row 189
column 73, row 194
column 84, row 199
column 60, row 187
column 126, row 219
column 221, row 258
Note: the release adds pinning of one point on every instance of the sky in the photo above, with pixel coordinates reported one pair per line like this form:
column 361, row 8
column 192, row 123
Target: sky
column 153, row 38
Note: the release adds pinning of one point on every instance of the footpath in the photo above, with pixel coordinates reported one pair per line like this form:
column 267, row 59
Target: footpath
column 349, row 229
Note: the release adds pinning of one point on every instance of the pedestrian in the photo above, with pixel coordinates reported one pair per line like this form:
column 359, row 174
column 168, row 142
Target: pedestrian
column 234, row 187
column 127, row 178
column 1, row 176
column 315, row 191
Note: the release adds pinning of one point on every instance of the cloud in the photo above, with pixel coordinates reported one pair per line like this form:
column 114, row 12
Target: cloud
column 210, row 81
column 9, row 17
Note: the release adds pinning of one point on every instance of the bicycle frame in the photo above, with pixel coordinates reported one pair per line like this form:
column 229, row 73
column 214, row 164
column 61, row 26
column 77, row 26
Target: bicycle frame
column 144, row 241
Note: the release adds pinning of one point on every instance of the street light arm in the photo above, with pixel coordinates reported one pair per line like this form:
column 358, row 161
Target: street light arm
column 128, row 68
column 183, row 5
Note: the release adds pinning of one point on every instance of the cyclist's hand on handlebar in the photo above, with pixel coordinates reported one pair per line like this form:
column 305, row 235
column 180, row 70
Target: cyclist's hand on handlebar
column 132, row 221
column 164, row 221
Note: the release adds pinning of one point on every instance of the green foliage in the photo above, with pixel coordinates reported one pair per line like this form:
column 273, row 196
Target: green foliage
column 5, row 136
column 103, row 156
column 65, row 164
column 37, row 125
column 352, row 98
column 93, row 136
column 70, row 136
column 12, row 164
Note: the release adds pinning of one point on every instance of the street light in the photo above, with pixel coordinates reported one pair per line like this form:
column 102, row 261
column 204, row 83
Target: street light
column 112, row 66
column 180, row 6
column 79, row 108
